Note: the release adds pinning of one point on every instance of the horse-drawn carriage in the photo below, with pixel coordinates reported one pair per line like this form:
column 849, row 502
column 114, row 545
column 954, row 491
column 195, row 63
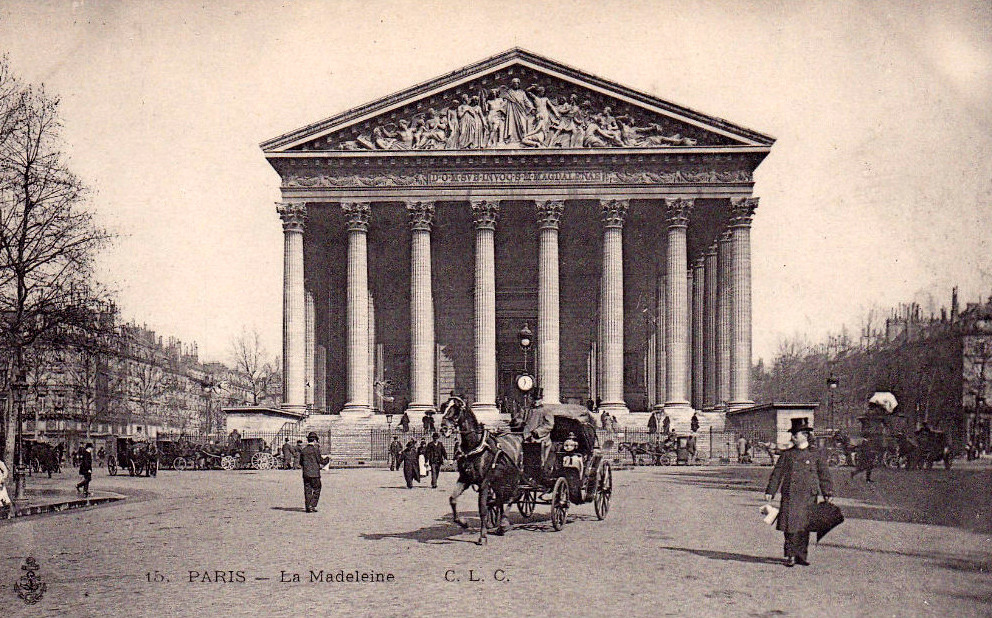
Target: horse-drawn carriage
column 889, row 441
column 666, row 449
column 248, row 453
column 41, row 457
column 136, row 456
column 554, row 461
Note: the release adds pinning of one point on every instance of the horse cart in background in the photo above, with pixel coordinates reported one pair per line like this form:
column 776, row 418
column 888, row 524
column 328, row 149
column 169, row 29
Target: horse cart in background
column 248, row 454
column 136, row 456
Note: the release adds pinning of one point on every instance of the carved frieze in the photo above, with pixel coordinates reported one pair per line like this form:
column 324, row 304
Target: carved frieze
column 388, row 178
column 517, row 108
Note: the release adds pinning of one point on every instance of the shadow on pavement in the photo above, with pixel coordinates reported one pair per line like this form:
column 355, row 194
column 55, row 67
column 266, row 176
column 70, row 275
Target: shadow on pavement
column 291, row 509
column 439, row 534
column 963, row 564
column 725, row 555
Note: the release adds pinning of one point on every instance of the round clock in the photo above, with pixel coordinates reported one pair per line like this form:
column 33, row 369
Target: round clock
column 525, row 382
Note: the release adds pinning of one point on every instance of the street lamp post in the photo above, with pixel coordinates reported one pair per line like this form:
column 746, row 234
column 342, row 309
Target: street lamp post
column 20, row 388
column 831, row 386
column 41, row 392
column 525, row 382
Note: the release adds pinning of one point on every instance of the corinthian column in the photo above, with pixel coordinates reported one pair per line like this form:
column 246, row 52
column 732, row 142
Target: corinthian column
column 485, row 213
column 724, row 296
column 709, row 326
column 293, row 308
column 548, row 308
column 421, row 309
column 677, row 309
column 359, row 372
column 741, row 213
column 614, row 213
column 661, row 353
column 698, row 328
column 308, row 347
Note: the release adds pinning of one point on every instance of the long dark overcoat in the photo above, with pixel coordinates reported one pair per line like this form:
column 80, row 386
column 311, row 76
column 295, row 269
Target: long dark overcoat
column 411, row 463
column 801, row 474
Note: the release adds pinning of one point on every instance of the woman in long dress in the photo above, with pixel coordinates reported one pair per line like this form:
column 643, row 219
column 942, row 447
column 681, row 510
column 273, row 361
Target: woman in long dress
column 422, row 458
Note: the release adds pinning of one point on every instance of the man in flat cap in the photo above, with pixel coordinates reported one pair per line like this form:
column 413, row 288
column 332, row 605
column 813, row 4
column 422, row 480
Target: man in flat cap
column 311, row 461
column 801, row 473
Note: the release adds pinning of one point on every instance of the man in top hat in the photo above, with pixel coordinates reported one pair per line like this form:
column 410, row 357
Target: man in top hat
column 311, row 461
column 801, row 474
column 85, row 470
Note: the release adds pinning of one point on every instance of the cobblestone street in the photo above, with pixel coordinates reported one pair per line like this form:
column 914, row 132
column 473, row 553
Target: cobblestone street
column 678, row 541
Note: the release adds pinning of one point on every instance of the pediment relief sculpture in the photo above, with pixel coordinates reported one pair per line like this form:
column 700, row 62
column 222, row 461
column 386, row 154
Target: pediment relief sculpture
column 517, row 110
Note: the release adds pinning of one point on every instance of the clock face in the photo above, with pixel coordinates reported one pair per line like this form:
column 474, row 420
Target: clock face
column 525, row 382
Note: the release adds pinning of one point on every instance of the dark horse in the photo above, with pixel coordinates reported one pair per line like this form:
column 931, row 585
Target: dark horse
column 482, row 464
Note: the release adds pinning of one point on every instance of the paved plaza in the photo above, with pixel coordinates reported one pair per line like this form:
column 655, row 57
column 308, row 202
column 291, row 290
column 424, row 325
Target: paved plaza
column 677, row 542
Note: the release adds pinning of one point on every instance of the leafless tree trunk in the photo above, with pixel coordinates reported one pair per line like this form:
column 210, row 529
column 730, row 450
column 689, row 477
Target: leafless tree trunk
column 249, row 358
column 47, row 238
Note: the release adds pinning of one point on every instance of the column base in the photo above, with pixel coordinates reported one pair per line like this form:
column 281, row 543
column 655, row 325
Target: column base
column 419, row 409
column 294, row 408
column 356, row 410
column 738, row 405
column 680, row 413
column 487, row 413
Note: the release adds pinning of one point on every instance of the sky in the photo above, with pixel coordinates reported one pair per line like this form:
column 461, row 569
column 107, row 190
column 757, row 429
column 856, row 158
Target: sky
column 877, row 192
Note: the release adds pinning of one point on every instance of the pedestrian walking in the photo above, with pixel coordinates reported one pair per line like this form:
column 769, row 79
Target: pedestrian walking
column 652, row 423
column 801, row 474
column 428, row 422
column 435, row 455
column 85, row 470
column 404, row 423
column 312, row 461
column 287, row 455
column 865, row 457
column 422, row 458
column 411, row 464
column 694, row 423
column 741, row 449
column 395, row 452
column 666, row 424
column 297, row 453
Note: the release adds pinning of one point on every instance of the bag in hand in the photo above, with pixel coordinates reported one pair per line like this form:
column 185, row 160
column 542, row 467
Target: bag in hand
column 824, row 517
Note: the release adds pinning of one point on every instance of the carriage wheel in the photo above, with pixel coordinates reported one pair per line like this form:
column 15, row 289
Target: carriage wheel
column 262, row 461
column 527, row 502
column 891, row 460
column 559, row 504
column 180, row 464
column 835, row 459
column 112, row 466
column 604, row 490
column 228, row 463
column 494, row 510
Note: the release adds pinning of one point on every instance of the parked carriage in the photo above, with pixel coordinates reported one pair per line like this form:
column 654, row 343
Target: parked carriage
column 248, row 453
column 137, row 457
column 564, row 468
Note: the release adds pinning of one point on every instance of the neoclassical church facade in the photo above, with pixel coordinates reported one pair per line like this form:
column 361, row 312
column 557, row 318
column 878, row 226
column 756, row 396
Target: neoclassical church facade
column 424, row 230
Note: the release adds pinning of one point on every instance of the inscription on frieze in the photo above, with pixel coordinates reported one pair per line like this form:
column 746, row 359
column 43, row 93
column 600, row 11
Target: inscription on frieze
column 514, row 177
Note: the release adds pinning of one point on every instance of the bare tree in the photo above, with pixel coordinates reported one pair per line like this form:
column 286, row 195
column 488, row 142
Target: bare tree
column 47, row 238
column 249, row 359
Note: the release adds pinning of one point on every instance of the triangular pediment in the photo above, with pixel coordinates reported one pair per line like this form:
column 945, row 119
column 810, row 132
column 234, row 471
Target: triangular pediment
column 516, row 101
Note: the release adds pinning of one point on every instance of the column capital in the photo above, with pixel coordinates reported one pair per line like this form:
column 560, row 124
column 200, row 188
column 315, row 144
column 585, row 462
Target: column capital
column 725, row 237
column 485, row 213
column 614, row 212
column 294, row 216
column 549, row 213
column 421, row 214
column 742, row 211
column 358, row 214
column 677, row 211
column 711, row 251
column 699, row 262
